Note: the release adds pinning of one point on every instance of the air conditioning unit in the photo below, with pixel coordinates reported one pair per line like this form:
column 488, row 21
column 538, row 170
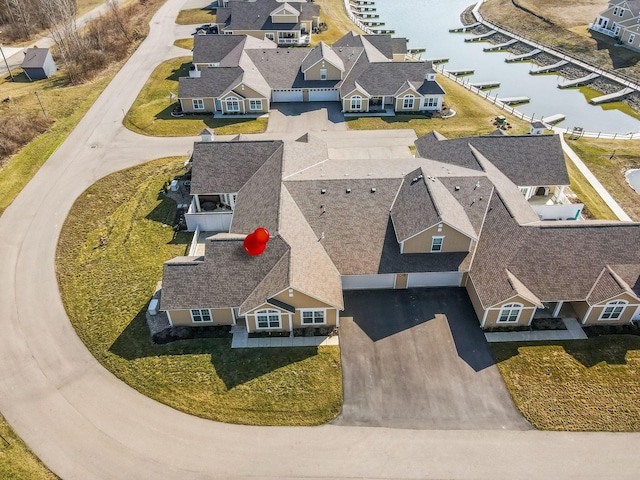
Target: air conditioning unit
column 153, row 307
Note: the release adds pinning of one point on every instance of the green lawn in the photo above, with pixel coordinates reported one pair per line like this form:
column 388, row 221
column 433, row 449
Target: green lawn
column 593, row 202
column 579, row 385
column 150, row 114
column 608, row 160
column 204, row 377
column 196, row 16
column 474, row 116
column 16, row 460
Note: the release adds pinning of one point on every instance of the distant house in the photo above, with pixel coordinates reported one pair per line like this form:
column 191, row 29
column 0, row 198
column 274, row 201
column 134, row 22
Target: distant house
column 286, row 23
column 620, row 20
column 239, row 74
column 38, row 63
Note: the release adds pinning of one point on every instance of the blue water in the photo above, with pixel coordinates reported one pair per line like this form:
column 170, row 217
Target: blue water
column 426, row 24
column 633, row 178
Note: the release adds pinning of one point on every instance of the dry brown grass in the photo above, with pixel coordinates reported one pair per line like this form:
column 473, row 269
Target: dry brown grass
column 609, row 160
column 563, row 26
column 17, row 131
column 332, row 13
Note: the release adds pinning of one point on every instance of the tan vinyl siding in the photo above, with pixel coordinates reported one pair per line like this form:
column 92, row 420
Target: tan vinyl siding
column 454, row 241
column 417, row 100
column 525, row 318
column 580, row 308
column 284, row 18
column 475, row 300
column 625, row 317
column 333, row 73
column 331, row 316
column 220, row 316
column 187, row 105
column 346, row 102
column 252, row 324
column 301, row 301
column 402, row 279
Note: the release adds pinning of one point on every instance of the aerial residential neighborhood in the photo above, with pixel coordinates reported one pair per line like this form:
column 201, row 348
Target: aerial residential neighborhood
column 319, row 239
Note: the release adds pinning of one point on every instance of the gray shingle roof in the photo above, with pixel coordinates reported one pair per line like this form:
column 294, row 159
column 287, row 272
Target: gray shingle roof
column 414, row 209
column 387, row 78
column 212, row 83
column 225, row 167
column 321, row 52
column 214, row 48
column 35, row 57
column 257, row 15
column 526, row 159
column 224, row 278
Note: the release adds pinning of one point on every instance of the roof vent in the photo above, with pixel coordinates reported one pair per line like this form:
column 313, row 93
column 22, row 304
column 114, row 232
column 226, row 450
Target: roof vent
column 323, row 191
column 456, row 188
column 373, row 189
column 420, row 177
column 414, row 179
column 348, row 190
column 477, row 185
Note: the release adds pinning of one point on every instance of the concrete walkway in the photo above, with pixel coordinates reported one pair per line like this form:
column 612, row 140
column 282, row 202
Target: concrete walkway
column 241, row 340
column 573, row 332
column 84, row 423
column 595, row 183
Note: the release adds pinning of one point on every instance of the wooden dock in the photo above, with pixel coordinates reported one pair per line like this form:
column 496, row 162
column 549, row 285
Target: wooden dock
column 502, row 46
column 484, row 85
column 514, row 100
column 480, row 38
column 523, row 57
column 466, row 28
column 548, row 68
column 612, row 97
column 553, row 119
column 383, row 32
column 578, row 81
column 437, row 60
column 461, row 72
column 372, row 24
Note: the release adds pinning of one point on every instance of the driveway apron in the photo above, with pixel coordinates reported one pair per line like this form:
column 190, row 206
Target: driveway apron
column 418, row 359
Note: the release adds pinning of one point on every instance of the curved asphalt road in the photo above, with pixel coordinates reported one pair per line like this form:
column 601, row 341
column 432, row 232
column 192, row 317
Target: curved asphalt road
column 85, row 424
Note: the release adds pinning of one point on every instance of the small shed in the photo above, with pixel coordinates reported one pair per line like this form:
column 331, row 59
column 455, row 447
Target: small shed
column 38, row 63
column 537, row 128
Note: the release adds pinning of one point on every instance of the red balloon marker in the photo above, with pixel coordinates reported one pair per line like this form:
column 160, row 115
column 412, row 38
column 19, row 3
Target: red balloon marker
column 255, row 243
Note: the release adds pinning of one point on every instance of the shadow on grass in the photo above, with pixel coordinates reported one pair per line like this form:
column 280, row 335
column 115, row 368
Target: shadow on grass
column 611, row 349
column 181, row 71
column 620, row 56
column 164, row 212
column 233, row 366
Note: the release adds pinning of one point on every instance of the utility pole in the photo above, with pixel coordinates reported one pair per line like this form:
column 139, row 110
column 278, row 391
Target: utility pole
column 6, row 63
column 43, row 112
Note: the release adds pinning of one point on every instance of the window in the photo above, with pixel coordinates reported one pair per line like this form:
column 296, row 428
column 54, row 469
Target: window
column 201, row 315
column 233, row 105
column 269, row 36
column 356, row 102
column 407, row 102
column 526, row 191
column 621, row 12
column 436, row 244
column 323, row 74
column 632, row 37
column 613, row 310
column 266, row 319
column 313, row 317
column 255, row 104
column 198, row 104
column 615, row 11
column 430, row 101
column 510, row 313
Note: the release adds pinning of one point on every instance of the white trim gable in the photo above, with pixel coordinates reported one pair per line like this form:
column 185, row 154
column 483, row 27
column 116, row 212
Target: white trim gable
column 284, row 10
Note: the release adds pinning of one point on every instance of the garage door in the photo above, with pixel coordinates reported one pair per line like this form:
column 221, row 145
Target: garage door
column 323, row 95
column 435, row 279
column 287, row 95
column 367, row 282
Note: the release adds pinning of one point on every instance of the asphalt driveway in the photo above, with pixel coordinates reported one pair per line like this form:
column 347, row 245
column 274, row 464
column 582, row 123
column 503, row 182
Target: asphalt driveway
column 305, row 117
column 418, row 359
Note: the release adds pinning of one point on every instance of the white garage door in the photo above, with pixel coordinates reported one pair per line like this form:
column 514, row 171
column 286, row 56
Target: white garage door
column 367, row 282
column 286, row 95
column 323, row 95
column 435, row 279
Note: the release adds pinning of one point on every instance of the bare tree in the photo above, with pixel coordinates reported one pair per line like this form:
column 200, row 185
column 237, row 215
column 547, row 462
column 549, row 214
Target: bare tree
column 61, row 16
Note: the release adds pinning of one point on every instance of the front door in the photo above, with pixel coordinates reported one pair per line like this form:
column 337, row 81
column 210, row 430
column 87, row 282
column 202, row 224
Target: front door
column 401, row 280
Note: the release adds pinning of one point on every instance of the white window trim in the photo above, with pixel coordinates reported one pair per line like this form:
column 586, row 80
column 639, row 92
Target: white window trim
column 196, row 106
column 255, row 100
column 268, row 312
column 406, row 99
column 357, row 98
column 613, row 305
column 433, row 239
column 230, row 100
column 510, row 307
column 323, row 74
column 632, row 38
column 200, row 310
column 430, row 102
column 313, row 310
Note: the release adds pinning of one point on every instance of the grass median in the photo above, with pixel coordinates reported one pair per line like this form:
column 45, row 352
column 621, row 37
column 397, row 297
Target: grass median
column 203, row 377
column 578, row 385
column 150, row 114
column 195, row 16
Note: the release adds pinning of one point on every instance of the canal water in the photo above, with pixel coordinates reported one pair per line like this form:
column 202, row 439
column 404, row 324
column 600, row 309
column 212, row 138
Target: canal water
column 633, row 178
column 426, row 24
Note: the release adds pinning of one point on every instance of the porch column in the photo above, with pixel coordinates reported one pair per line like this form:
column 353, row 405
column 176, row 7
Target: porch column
column 291, row 325
column 197, row 199
column 556, row 310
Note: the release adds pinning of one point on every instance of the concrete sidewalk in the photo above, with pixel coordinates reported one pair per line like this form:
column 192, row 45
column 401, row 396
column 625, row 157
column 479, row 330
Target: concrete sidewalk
column 573, row 332
column 241, row 340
